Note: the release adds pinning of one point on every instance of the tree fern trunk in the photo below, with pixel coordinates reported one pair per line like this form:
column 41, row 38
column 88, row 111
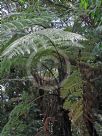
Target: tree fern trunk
column 90, row 93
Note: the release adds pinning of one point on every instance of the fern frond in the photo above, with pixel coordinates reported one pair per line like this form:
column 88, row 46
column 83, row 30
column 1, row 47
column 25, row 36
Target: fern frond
column 43, row 38
column 24, row 22
column 21, row 24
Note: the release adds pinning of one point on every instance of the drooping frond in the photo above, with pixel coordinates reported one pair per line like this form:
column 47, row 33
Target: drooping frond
column 44, row 38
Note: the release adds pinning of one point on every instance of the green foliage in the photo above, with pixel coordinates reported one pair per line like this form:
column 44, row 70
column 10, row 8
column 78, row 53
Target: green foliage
column 93, row 8
column 23, row 120
column 73, row 89
column 50, row 39
column 47, row 37
column 97, row 51
column 3, row 117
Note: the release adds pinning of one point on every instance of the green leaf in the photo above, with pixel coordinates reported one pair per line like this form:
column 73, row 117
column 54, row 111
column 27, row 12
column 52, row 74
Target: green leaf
column 21, row 1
